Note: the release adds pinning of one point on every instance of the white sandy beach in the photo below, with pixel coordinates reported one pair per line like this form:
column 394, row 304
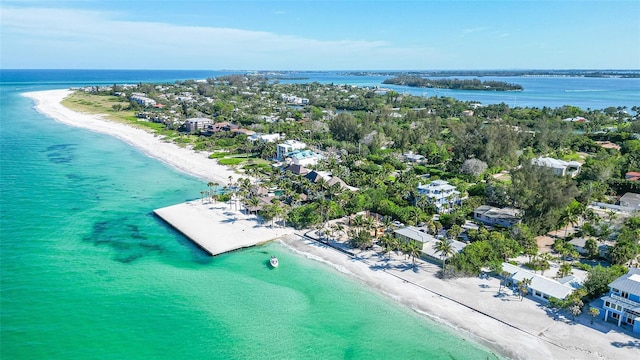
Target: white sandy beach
column 518, row 329
column 185, row 160
column 473, row 306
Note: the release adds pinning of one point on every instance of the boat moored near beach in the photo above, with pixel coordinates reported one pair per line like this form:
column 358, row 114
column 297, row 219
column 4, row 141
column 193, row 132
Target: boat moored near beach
column 273, row 261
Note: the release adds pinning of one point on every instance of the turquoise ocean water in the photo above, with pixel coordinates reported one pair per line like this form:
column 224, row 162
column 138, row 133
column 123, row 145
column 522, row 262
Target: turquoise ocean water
column 88, row 272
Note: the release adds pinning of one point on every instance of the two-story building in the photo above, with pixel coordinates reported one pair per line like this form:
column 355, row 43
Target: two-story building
column 441, row 194
column 622, row 304
column 288, row 146
column 303, row 157
column 493, row 216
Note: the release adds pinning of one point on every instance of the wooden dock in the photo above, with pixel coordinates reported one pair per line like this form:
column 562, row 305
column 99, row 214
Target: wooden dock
column 216, row 228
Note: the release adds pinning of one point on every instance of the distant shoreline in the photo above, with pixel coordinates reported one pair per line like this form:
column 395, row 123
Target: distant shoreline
column 191, row 162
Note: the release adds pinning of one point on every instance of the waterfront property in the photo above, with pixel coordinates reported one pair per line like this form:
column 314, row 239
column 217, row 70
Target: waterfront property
column 541, row 287
column 441, row 194
column 426, row 241
column 303, row 157
column 559, row 167
column 288, row 146
column 194, row 125
column 493, row 216
column 622, row 303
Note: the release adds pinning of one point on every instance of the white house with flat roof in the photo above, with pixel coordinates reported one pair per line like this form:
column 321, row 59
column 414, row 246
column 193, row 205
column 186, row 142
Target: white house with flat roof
column 441, row 194
column 303, row 157
column 559, row 167
column 288, row 146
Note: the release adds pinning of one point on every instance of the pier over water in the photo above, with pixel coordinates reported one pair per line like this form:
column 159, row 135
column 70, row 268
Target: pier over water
column 217, row 228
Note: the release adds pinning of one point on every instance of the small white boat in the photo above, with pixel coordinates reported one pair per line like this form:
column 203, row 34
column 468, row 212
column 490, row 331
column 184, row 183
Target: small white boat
column 273, row 261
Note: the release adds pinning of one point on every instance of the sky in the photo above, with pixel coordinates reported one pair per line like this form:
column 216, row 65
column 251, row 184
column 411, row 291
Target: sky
column 319, row 35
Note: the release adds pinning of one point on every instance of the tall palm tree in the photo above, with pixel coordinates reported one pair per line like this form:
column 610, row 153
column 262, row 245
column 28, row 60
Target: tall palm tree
column 386, row 241
column 210, row 184
column 505, row 275
column 523, row 287
column 445, row 248
column 253, row 202
column 414, row 250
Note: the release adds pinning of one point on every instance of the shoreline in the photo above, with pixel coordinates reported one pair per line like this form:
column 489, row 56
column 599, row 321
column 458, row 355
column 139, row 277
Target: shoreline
column 502, row 323
column 467, row 305
column 187, row 161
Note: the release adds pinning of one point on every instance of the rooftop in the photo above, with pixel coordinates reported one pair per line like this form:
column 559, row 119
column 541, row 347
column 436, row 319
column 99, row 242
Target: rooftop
column 540, row 283
column 630, row 282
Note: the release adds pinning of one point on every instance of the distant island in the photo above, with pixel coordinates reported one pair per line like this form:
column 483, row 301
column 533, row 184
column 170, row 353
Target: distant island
column 481, row 73
column 455, row 84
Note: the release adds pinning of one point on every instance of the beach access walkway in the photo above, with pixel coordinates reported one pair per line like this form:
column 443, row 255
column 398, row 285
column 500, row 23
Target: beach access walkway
column 217, row 228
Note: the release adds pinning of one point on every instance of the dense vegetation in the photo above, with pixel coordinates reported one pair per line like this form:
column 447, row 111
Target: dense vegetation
column 455, row 84
column 485, row 151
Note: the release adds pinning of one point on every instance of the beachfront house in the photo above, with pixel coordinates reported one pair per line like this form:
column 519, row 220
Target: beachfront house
column 622, row 303
column 559, row 167
column 441, row 194
column 541, row 288
column 194, row 125
column 303, row 157
column 288, row 146
column 500, row 217
column 426, row 241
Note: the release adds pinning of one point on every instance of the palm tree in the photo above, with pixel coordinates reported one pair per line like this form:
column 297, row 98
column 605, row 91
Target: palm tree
column 414, row 212
column 570, row 215
column 593, row 312
column 387, row 243
column 387, row 222
column 523, row 287
column 505, row 275
column 414, row 250
column 253, row 202
column 211, row 185
column 565, row 270
column 445, row 248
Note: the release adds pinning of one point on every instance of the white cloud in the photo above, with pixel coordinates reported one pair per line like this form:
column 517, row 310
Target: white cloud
column 40, row 37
